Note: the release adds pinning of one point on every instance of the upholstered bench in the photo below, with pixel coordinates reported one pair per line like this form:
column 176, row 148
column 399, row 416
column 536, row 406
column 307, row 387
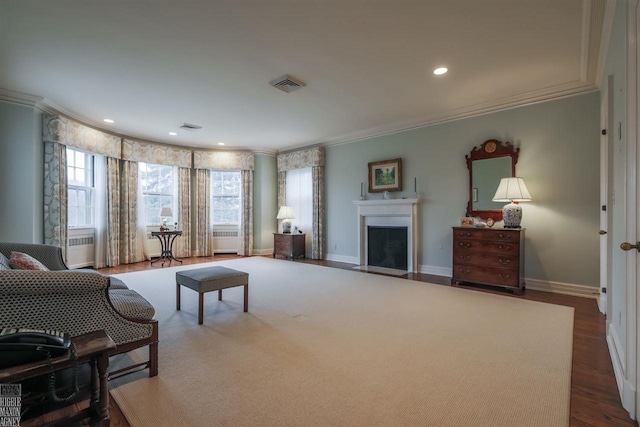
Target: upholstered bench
column 203, row 280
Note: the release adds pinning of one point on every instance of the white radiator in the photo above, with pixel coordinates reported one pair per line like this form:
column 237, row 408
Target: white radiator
column 226, row 240
column 81, row 248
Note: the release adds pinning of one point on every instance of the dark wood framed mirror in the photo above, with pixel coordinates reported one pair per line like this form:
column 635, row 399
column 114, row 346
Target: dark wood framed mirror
column 487, row 164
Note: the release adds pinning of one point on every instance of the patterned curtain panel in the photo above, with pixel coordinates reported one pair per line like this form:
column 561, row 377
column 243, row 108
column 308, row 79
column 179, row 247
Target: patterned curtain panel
column 148, row 152
column 307, row 158
column 224, row 160
column 113, row 212
column 69, row 132
column 129, row 214
column 204, row 238
column 318, row 237
column 282, row 193
column 55, row 195
column 183, row 243
column 246, row 222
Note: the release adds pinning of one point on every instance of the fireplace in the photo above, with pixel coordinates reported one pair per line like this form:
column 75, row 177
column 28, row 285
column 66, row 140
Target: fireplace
column 387, row 247
column 397, row 214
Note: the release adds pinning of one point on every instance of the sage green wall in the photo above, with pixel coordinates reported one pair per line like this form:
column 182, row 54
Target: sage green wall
column 265, row 201
column 559, row 161
column 21, row 174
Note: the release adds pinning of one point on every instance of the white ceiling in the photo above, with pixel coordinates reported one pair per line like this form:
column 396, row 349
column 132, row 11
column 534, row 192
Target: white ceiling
column 151, row 65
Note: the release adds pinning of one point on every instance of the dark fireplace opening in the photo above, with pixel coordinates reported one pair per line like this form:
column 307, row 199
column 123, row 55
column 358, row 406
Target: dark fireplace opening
column 387, row 247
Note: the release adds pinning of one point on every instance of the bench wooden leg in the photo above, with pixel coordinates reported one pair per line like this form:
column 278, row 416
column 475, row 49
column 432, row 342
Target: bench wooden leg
column 219, row 294
column 246, row 297
column 200, row 308
column 153, row 359
column 177, row 296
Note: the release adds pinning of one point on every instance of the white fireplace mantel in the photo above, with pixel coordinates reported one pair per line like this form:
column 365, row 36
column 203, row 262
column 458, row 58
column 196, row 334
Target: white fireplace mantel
column 394, row 212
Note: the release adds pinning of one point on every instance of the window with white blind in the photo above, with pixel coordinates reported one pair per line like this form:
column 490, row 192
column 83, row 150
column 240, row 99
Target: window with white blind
column 80, row 188
column 226, row 187
column 299, row 195
column 157, row 185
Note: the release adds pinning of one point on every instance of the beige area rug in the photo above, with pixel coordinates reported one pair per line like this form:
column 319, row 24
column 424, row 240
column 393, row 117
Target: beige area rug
column 328, row 347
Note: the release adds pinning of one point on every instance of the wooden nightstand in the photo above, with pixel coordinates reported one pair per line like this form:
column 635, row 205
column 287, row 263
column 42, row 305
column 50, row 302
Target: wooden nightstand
column 289, row 245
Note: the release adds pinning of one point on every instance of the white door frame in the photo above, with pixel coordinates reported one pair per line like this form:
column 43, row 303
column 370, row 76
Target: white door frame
column 605, row 208
column 633, row 206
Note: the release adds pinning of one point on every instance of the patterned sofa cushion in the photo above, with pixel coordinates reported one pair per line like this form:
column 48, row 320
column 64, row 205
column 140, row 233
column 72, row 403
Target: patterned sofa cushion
column 4, row 262
column 131, row 304
column 23, row 261
column 117, row 283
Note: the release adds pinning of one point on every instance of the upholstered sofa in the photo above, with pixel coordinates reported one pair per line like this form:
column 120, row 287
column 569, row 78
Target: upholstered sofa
column 76, row 302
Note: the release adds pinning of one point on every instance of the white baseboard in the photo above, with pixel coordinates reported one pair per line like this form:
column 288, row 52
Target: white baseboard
column 618, row 357
column 435, row 271
column 533, row 284
column 261, row 252
column 343, row 258
column 602, row 303
column 562, row 288
column 81, row 265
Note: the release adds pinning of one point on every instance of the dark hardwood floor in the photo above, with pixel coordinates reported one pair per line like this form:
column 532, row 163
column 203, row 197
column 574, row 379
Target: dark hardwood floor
column 594, row 395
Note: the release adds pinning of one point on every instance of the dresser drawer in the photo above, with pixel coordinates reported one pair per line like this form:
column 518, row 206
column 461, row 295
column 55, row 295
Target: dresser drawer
column 486, row 259
column 485, row 275
column 486, row 234
column 486, row 246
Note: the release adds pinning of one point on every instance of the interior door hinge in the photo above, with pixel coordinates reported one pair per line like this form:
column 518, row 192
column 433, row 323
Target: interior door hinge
column 604, row 131
column 603, row 290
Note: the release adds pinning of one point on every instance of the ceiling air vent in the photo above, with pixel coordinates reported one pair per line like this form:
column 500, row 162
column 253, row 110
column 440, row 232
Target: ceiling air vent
column 287, row 84
column 190, row 127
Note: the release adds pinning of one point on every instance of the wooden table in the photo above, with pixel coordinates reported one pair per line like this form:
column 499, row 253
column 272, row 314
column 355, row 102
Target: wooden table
column 166, row 243
column 290, row 245
column 92, row 348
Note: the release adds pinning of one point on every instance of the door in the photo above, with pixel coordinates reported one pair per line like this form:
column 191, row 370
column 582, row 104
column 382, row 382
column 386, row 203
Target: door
column 627, row 132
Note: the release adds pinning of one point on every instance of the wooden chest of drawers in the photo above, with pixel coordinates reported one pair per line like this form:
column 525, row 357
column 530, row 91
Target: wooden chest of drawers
column 489, row 256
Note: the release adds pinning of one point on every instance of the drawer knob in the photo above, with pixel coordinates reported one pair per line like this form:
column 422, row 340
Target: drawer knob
column 504, row 236
column 463, row 234
column 504, row 248
column 461, row 270
column 504, row 261
column 465, row 245
column 465, row 257
column 505, row 277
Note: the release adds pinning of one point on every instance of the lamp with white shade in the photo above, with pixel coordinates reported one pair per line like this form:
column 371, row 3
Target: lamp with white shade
column 512, row 190
column 286, row 215
column 165, row 213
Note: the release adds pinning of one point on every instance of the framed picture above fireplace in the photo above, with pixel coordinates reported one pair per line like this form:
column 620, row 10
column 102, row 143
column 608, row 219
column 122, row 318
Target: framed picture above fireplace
column 385, row 175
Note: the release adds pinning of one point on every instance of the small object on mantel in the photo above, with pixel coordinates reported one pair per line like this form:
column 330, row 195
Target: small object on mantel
column 480, row 225
column 386, row 195
column 490, row 222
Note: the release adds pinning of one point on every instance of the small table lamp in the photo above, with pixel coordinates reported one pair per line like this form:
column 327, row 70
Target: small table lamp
column 286, row 215
column 165, row 213
column 512, row 190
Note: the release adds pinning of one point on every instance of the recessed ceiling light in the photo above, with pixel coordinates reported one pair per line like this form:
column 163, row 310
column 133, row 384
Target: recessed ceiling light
column 108, row 121
column 220, row 143
column 440, row 71
column 172, row 133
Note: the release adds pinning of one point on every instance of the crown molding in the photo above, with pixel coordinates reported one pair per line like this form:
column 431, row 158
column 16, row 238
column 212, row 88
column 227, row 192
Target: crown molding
column 24, row 99
column 550, row 93
column 47, row 106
